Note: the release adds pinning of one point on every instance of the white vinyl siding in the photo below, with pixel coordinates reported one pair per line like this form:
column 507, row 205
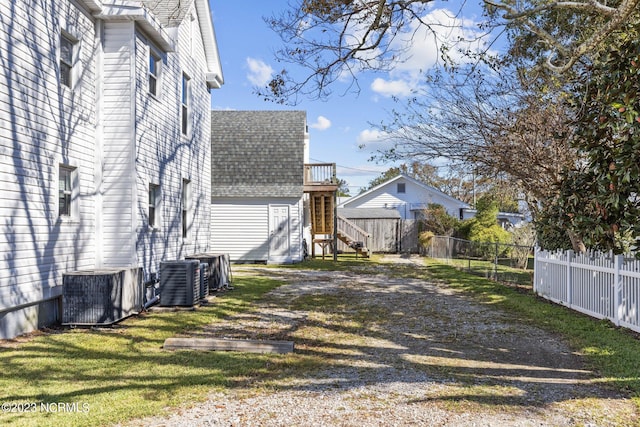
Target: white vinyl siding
column 41, row 127
column 111, row 131
column 118, row 230
column 169, row 157
column 387, row 196
column 240, row 227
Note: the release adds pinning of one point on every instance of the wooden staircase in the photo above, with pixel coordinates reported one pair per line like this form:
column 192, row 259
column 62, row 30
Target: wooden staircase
column 353, row 236
column 321, row 184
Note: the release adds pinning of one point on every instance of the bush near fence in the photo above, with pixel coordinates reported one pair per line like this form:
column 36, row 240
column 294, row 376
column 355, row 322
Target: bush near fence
column 497, row 261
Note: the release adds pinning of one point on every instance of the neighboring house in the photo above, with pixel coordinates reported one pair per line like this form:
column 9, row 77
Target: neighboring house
column 104, row 142
column 257, row 190
column 408, row 196
column 506, row 220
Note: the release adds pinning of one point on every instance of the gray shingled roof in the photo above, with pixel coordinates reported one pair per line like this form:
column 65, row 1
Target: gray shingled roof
column 169, row 13
column 257, row 153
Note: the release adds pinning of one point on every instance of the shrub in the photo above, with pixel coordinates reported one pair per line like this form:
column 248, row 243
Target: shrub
column 424, row 239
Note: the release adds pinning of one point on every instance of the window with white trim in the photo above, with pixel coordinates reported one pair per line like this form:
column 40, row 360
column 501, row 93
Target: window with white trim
column 66, row 190
column 67, row 58
column 186, row 209
column 155, row 67
column 154, row 205
column 186, row 104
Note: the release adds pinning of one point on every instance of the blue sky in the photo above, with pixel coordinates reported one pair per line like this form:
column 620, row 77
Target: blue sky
column 339, row 126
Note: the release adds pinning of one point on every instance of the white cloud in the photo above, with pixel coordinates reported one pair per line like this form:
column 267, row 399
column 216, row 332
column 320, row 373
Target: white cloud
column 373, row 141
column 322, row 123
column 420, row 47
column 370, row 135
column 259, row 72
column 391, row 87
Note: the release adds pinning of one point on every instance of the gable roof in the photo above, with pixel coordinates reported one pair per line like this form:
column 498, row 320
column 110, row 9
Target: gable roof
column 257, row 153
column 409, row 179
column 171, row 13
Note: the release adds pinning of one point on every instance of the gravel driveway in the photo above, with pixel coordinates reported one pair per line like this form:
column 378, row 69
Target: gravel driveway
column 426, row 355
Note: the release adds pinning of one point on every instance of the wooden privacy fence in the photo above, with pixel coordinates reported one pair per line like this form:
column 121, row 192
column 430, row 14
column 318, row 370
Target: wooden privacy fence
column 601, row 285
column 390, row 235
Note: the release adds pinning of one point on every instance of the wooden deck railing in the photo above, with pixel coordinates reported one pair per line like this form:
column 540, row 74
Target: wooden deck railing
column 320, row 173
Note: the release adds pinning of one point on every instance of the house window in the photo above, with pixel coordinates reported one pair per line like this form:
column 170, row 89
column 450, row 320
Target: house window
column 186, row 208
column 401, row 187
column 186, row 103
column 67, row 47
column 154, row 73
column 66, row 181
column 154, row 205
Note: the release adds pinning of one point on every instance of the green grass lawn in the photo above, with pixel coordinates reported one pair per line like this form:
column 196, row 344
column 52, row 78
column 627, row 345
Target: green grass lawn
column 504, row 271
column 120, row 373
column 117, row 374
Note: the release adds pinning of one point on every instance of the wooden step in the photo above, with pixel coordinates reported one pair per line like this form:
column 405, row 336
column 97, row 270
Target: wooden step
column 225, row 344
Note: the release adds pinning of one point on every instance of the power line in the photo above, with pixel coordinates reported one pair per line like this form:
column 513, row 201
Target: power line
column 349, row 167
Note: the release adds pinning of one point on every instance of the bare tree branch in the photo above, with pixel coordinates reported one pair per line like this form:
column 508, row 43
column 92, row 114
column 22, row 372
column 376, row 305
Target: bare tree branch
column 328, row 40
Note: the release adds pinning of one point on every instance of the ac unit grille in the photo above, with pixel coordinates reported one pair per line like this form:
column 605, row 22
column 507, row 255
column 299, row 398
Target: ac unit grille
column 204, row 280
column 101, row 297
column 179, row 283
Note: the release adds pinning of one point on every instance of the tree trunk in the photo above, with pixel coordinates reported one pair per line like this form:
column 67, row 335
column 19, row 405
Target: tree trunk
column 576, row 242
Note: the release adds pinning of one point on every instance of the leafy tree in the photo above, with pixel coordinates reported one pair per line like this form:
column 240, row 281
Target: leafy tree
column 437, row 220
column 600, row 198
column 484, row 230
column 343, row 188
column 559, row 33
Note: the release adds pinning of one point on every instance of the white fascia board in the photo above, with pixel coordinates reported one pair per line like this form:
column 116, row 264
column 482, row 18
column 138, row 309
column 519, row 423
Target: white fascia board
column 214, row 75
column 134, row 11
column 94, row 6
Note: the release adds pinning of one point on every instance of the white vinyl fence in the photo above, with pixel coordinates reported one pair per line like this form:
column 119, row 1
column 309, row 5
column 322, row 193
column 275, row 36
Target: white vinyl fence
column 601, row 285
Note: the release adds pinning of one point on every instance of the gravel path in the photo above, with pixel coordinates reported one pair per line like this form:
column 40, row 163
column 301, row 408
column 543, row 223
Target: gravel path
column 403, row 352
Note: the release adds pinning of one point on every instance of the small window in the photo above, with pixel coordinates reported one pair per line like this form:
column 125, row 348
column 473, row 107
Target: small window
column 401, row 187
column 154, row 205
column 66, row 179
column 186, row 208
column 186, row 104
column 154, row 73
column 67, row 47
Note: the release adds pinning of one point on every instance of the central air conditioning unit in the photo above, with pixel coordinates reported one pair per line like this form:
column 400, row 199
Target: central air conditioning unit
column 218, row 272
column 179, row 283
column 101, row 297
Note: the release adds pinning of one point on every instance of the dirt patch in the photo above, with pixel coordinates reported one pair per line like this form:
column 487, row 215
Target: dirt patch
column 399, row 351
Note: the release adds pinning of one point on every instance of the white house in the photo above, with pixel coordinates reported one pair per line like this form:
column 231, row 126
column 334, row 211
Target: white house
column 104, row 142
column 257, row 194
column 408, row 196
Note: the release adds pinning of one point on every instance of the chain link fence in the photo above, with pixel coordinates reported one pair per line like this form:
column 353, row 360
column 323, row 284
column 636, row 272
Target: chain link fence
column 497, row 261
